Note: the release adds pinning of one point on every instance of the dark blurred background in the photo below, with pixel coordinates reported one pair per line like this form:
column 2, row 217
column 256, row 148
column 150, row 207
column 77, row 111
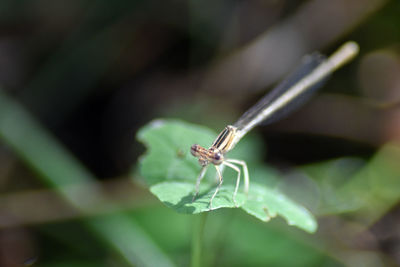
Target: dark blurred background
column 91, row 73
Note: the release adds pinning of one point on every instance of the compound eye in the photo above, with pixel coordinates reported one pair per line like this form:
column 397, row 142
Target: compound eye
column 217, row 158
column 194, row 150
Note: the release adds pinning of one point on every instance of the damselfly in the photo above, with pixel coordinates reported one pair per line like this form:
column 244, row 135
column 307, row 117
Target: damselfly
column 283, row 99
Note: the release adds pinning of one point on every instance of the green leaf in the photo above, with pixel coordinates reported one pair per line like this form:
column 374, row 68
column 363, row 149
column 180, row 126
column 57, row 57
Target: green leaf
column 331, row 177
column 171, row 172
column 179, row 195
column 265, row 203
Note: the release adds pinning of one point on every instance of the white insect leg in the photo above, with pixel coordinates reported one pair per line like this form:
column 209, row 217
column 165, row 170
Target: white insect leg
column 218, row 187
column 198, row 181
column 245, row 173
column 235, row 168
column 221, row 169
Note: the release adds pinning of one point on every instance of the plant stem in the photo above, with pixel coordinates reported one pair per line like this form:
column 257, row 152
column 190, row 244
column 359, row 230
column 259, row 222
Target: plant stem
column 197, row 239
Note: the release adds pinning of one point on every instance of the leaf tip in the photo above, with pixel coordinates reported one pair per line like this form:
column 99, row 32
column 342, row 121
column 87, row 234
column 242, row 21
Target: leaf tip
column 157, row 123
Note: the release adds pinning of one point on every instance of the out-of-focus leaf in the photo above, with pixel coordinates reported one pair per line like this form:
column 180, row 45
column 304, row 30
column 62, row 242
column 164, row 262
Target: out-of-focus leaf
column 375, row 189
column 75, row 264
column 171, row 171
column 330, row 176
column 57, row 167
column 367, row 189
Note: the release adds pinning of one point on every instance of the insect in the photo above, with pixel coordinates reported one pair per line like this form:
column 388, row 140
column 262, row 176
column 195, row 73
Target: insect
column 283, row 99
